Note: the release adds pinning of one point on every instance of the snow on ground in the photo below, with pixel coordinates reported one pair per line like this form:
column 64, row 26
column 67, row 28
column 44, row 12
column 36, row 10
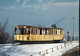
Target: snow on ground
column 63, row 50
column 30, row 49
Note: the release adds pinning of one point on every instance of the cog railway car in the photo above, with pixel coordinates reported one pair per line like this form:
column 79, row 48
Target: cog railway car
column 32, row 34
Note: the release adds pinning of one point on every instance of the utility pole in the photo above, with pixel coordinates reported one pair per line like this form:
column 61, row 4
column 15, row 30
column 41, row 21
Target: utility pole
column 68, row 38
column 73, row 29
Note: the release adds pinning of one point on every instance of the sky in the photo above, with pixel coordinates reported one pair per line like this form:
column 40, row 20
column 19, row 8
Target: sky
column 41, row 12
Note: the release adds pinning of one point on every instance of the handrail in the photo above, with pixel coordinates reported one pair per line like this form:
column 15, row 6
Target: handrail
column 52, row 49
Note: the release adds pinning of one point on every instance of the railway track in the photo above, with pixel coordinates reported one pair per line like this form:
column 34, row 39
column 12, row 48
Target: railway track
column 10, row 49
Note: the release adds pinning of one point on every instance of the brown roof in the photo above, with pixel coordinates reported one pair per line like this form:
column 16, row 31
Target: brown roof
column 37, row 27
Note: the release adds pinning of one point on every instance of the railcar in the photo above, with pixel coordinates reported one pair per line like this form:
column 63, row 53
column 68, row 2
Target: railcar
column 32, row 34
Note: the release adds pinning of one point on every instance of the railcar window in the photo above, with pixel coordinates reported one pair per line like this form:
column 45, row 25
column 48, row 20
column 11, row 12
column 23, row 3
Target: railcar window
column 40, row 31
column 31, row 31
column 52, row 32
column 23, row 31
column 45, row 31
column 19, row 31
column 27, row 31
column 49, row 32
column 36, row 31
column 15, row 30
column 60, row 31
column 56, row 31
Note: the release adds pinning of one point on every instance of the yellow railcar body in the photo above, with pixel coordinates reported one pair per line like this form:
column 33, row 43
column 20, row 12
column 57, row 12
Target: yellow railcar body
column 38, row 37
column 51, row 35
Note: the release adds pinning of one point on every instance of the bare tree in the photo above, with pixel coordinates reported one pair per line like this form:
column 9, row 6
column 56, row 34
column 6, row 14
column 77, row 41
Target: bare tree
column 3, row 34
column 11, row 38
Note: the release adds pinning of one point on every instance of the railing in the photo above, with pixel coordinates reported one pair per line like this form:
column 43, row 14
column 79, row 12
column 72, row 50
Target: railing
column 42, row 53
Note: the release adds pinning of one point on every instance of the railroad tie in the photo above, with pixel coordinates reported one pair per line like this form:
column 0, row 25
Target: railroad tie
column 52, row 49
column 57, row 47
column 47, row 51
column 68, row 44
column 61, row 46
column 64, row 45
column 39, row 53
